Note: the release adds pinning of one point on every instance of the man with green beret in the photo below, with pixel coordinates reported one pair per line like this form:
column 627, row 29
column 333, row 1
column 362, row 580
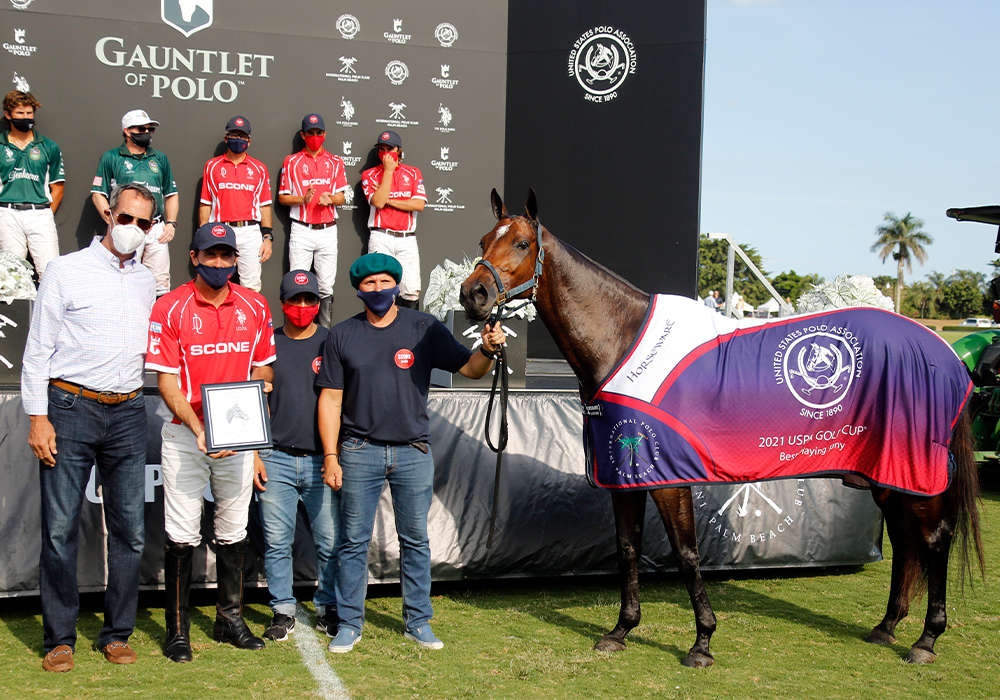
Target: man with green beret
column 374, row 377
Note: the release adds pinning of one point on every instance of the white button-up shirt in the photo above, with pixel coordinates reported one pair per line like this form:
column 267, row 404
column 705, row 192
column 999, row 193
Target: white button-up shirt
column 88, row 326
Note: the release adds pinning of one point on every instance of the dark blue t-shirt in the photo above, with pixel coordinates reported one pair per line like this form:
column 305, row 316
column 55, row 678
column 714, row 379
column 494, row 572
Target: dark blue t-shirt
column 385, row 373
column 293, row 399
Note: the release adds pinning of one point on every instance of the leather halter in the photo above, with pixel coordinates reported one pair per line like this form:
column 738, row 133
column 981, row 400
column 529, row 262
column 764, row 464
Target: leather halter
column 505, row 295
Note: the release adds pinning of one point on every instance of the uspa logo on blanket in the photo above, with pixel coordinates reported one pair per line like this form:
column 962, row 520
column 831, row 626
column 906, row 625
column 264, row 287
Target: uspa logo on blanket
column 633, row 449
column 818, row 364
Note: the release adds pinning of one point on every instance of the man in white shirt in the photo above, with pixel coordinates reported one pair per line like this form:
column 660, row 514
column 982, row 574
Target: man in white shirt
column 81, row 386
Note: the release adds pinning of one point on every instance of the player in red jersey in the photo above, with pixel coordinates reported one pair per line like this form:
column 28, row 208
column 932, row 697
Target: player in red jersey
column 206, row 331
column 236, row 189
column 396, row 193
column 313, row 184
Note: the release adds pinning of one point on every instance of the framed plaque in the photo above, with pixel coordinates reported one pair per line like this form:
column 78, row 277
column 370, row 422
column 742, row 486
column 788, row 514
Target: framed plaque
column 236, row 416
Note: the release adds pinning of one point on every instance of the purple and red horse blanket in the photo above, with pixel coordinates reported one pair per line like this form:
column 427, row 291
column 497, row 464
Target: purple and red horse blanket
column 700, row 398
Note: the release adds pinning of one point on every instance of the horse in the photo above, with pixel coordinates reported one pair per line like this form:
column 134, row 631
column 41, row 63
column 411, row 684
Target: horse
column 593, row 315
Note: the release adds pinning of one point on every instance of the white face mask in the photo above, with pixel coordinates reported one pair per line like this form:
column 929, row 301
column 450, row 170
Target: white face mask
column 127, row 237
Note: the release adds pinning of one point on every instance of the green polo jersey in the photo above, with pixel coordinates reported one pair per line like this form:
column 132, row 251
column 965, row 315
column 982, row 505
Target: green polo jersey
column 119, row 166
column 25, row 174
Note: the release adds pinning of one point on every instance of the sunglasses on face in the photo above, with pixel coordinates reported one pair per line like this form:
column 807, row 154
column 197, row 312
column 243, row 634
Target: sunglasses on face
column 142, row 129
column 126, row 219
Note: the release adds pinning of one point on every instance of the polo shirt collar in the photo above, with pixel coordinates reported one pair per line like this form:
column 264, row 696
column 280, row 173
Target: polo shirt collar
column 230, row 298
column 105, row 255
column 124, row 152
column 36, row 138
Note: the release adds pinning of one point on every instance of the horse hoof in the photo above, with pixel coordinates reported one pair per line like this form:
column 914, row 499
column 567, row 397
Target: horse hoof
column 878, row 636
column 697, row 660
column 609, row 644
column 920, row 656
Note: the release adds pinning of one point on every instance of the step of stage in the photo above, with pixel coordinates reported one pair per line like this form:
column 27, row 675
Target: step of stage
column 544, row 373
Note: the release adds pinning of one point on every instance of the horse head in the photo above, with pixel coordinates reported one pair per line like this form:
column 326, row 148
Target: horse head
column 511, row 248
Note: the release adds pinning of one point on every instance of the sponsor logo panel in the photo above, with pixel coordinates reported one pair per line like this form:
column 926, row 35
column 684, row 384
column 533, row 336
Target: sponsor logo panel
column 20, row 46
column 601, row 59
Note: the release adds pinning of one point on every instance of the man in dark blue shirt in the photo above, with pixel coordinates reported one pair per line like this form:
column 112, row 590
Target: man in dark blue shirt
column 373, row 422
column 293, row 470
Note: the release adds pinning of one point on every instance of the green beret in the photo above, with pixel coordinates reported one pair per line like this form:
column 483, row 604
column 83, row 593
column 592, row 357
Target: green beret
column 372, row 264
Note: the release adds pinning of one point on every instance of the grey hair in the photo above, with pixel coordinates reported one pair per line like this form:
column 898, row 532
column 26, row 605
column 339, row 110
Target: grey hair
column 138, row 187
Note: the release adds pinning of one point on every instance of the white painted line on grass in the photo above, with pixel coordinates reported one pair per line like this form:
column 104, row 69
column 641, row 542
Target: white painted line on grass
column 313, row 653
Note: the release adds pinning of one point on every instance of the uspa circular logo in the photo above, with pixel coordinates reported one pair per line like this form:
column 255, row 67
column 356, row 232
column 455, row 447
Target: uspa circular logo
column 446, row 34
column 600, row 60
column 21, row 4
column 403, row 358
column 396, row 72
column 348, row 26
column 633, row 448
column 819, row 364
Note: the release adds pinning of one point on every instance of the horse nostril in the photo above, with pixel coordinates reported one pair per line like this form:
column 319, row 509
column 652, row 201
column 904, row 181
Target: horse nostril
column 479, row 294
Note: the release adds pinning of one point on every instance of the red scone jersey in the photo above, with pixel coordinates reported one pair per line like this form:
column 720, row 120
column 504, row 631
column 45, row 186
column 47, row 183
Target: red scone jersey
column 236, row 191
column 203, row 344
column 324, row 173
column 407, row 183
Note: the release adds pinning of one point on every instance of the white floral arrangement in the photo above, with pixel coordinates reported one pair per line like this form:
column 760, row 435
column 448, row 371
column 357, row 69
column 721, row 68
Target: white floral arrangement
column 842, row 292
column 15, row 278
column 441, row 295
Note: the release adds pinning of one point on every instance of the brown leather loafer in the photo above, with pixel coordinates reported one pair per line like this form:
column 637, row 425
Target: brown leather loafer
column 59, row 659
column 119, row 653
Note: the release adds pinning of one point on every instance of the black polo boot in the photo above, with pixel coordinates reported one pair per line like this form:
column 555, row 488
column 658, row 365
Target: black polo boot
column 177, row 586
column 408, row 303
column 325, row 312
column 229, row 624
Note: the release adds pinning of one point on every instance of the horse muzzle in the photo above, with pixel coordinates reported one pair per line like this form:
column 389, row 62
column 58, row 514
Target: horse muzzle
column 478, row 296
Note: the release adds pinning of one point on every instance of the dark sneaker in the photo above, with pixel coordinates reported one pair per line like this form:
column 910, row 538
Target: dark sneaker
column 327, row 623
column 280, row 627
column 424, row 637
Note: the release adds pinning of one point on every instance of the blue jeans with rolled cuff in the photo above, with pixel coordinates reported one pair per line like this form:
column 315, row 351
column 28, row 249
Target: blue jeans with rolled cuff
column 410, row 474
column 289, row 480
column 113, row 436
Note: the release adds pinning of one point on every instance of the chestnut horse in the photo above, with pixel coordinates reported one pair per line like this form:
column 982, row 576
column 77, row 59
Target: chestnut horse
column 594, row 315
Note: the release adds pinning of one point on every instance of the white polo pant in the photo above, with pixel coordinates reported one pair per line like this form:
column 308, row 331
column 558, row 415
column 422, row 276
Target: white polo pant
column 248, row 240
column 29, row 230
column 406, row 252
column 156, row 256
column 186, row 473
column 316, row 249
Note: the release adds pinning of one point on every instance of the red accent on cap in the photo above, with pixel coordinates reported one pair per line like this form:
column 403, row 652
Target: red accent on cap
column 385, row 135
column 301, row 278
column 317, row 361
column 239, row 121
column 219, row 231
column 313, row 119
column 403, row 358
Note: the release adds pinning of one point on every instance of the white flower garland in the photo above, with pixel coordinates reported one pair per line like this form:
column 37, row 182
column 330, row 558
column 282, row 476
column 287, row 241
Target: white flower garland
column 15, row 278
column 441, row 294
column 842, row 292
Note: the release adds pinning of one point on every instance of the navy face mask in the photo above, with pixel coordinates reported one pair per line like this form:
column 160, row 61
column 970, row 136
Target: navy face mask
column 237, row 145
column 381, row 301
column 215, row 277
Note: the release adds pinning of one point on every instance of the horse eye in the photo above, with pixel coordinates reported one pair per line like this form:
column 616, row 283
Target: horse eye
column 522, row 245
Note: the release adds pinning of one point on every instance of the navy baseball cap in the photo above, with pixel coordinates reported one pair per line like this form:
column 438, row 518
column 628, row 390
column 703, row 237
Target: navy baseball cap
column 313, row 121
column 238, row 123
column 298, row 282
column 389, row 138
column 211, row 234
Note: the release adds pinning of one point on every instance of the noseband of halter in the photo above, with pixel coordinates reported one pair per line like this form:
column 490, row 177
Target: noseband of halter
column 505, row 295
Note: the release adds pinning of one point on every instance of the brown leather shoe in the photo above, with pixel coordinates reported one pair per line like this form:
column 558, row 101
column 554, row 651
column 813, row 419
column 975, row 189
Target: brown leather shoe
column 119, row 653
column 59, row 659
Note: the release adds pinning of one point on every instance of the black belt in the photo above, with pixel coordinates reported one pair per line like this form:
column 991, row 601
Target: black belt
column 105, row 397
column 240, row 223
column 395, row 234
column 296, row 453
column 316, row 227
column 23, row 206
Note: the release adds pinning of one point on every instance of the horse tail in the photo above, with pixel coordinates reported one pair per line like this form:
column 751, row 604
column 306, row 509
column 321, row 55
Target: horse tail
column 963, row 497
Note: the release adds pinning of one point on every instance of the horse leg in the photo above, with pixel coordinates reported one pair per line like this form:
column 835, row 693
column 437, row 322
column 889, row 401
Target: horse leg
column 630, row 510
column 935, row 544
column 677, row 511
column 904, row 565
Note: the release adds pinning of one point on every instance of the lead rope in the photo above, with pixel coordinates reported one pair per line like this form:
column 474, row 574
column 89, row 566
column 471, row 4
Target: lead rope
column 500, row 375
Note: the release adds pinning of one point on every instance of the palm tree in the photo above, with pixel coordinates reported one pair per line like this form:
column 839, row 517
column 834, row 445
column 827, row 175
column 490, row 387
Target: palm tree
column 903, row 239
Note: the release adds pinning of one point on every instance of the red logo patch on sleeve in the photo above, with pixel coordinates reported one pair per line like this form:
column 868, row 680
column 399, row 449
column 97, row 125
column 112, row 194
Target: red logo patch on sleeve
column 404, row 358
column 316, row 363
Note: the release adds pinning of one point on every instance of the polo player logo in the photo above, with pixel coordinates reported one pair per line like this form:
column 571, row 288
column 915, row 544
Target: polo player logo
column 347, row 109
column 602, row 63
column 21, row 83
column 819, row 367
column 235, row 412
column 187, row 16
column 241, row 319
column 445, row 114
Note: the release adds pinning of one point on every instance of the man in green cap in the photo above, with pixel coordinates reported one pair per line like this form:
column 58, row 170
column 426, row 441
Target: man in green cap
column 368, row 438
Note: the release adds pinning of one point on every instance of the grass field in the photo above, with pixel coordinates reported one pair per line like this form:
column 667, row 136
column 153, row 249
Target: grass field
column 790, row 635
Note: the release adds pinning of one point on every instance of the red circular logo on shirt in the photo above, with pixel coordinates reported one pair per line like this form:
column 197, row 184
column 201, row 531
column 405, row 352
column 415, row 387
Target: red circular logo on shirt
column 301, row 278
column 317, row 361
column 404, row 358
column 219, row 231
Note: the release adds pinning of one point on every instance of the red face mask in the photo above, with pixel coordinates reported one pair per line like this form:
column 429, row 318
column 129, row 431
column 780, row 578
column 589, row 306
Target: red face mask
column 300, row 316
column 314, row 141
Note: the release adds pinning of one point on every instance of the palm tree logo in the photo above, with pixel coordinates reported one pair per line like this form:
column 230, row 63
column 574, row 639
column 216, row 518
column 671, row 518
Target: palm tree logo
column 632, row 445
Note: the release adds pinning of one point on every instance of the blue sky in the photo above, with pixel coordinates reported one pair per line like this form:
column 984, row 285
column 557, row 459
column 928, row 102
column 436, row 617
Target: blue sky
column 822, row 115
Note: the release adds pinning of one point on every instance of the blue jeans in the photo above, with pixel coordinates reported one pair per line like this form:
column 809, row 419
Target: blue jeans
column 410, row 473
column 290, row 479
column 115, row 438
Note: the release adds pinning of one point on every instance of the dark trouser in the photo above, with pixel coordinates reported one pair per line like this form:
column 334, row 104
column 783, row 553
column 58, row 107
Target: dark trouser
column 115, row 438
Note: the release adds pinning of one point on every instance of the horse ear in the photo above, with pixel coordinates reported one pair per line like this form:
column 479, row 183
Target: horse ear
column 499, row 208
column 531, row 205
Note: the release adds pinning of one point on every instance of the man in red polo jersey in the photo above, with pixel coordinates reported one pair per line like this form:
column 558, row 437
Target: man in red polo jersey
column 313, row 183
column 236, row 190
column 204, row 332
column 396, row 193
